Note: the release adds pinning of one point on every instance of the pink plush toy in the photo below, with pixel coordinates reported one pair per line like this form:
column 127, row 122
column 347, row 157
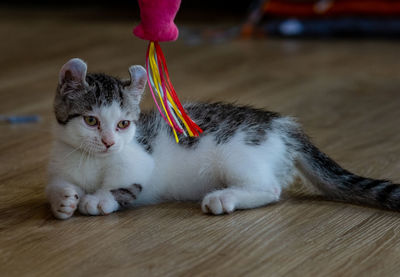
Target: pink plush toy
column 157, row 24
column 158, row 20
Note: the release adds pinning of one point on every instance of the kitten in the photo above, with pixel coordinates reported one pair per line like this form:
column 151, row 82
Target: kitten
column 107, row 155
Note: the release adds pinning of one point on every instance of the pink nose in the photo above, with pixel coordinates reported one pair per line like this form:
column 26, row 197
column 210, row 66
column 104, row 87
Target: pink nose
column 107, row 143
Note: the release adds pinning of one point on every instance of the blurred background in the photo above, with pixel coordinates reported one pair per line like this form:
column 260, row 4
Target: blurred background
column 312, row 18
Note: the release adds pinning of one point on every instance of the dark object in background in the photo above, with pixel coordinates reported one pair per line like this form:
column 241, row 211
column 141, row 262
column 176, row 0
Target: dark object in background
column 343, row 27
column 324, row 18
column 190, row 10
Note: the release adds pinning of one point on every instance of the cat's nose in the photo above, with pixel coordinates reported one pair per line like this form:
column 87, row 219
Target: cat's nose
column 107, row 143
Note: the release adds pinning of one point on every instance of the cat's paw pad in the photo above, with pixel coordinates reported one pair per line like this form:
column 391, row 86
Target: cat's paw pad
column 65, row 204
column 97, row 205
column 218, row 202
column 126, row 196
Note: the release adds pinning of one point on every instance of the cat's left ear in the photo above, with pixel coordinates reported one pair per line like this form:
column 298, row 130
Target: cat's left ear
column 74, row 71
column 138, row 82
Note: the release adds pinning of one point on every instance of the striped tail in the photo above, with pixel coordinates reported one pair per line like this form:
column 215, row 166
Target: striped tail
column 340, row 184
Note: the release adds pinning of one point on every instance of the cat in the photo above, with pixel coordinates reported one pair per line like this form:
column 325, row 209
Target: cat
column 108, row 155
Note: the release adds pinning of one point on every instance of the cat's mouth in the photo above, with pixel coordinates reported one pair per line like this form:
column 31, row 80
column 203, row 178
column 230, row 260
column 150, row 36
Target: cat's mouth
column 108, row 151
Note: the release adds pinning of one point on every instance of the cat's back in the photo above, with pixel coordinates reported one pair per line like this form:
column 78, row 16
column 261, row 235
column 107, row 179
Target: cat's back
column 220, row 120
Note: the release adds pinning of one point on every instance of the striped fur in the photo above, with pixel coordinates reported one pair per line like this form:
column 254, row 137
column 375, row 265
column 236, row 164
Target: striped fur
column 336, row 182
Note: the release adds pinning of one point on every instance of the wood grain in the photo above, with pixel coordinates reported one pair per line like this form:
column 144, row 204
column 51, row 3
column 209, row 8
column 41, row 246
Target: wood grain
column 344, row 92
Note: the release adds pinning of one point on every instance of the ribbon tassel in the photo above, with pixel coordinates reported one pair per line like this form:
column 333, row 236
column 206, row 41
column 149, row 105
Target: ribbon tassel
column 164, row 93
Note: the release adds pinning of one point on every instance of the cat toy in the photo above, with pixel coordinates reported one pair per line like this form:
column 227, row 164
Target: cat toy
column 157, row 25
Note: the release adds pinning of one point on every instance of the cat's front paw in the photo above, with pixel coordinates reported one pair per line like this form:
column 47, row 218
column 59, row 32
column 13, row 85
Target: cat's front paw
column 100, row 203
column 64, row 202
column 218, row 202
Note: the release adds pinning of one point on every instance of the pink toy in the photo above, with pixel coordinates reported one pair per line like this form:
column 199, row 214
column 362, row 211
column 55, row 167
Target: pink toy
column 158, row 20
column 157, row 24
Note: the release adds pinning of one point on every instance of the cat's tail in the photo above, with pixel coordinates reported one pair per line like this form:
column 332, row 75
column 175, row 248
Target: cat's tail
column 336, row 182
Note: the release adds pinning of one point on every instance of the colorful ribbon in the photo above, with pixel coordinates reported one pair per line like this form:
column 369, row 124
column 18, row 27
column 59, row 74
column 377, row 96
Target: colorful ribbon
column 160, row 84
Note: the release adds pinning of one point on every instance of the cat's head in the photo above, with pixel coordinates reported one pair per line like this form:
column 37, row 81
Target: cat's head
column 97, row 113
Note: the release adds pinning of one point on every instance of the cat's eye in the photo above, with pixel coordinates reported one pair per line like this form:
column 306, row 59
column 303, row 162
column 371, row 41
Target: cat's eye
column 124, row 124
column 91, row 120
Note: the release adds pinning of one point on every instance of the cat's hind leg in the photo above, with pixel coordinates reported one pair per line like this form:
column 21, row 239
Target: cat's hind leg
column 230, row 199
column 254, row 176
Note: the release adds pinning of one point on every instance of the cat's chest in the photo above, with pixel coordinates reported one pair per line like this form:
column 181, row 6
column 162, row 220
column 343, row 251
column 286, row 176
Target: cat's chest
column 86, row 172
column 130, row 166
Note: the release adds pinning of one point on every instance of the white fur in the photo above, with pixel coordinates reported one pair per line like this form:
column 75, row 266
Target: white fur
column 227, row 177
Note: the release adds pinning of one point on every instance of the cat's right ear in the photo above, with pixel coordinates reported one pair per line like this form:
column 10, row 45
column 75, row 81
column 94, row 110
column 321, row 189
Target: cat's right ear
column 137, row 84
column 73, row 73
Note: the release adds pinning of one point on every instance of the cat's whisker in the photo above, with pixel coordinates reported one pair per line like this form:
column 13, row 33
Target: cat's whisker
column 83, row 153
column 76, row 149
column 90, row 151
column 87, row 153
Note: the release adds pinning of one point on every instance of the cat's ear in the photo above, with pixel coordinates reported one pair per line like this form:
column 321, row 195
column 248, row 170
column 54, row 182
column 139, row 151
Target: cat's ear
column 137, row 83
column 74, row 73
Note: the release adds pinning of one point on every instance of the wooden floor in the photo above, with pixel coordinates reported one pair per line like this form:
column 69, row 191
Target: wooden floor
column 345, row 93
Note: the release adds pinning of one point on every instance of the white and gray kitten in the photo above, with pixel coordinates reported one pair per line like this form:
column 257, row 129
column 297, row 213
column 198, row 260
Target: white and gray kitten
column 107, row 155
